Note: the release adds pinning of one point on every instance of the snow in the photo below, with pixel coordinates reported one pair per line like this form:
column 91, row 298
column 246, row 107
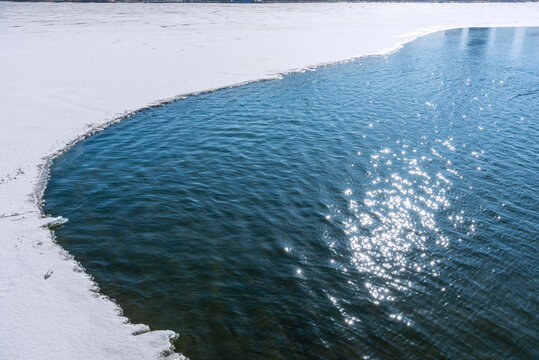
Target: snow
column 67, row 69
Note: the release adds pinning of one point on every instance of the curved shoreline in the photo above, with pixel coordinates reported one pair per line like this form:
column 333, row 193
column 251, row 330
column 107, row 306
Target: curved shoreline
column 44, row 176
column 65, row 314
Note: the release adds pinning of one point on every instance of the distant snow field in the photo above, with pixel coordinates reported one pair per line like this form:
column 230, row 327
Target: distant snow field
column 67, row 69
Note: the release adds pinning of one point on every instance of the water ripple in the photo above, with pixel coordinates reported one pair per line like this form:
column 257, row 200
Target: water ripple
column 383, row 208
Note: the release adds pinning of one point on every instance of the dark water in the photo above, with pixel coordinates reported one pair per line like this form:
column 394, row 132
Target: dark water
column 385, row 208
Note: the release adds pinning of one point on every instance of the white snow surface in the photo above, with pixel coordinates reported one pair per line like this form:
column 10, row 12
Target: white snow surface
column 67, row 69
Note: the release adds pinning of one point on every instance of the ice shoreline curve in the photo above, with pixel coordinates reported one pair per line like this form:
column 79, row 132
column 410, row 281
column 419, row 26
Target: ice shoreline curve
column 64, row 314
column 44, row 176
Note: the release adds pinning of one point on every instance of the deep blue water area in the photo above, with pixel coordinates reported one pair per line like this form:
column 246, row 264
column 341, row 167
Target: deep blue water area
column 385, row 208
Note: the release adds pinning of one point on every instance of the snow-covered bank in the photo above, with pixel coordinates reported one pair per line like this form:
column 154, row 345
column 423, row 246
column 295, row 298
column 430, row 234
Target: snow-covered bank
column 66, row 68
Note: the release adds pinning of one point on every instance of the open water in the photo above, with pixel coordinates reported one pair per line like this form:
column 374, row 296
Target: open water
column 385, row 208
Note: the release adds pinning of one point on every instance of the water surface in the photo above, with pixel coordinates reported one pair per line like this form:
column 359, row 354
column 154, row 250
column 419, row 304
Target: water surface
column 383, row 208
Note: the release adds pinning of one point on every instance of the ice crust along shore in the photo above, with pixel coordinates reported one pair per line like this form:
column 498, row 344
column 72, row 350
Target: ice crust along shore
column 66, row 69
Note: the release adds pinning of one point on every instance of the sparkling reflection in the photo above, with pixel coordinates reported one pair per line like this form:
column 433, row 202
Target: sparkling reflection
column 395, row 218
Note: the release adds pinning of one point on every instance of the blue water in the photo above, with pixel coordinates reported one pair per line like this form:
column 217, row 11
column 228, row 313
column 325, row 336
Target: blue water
column 385, row 208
